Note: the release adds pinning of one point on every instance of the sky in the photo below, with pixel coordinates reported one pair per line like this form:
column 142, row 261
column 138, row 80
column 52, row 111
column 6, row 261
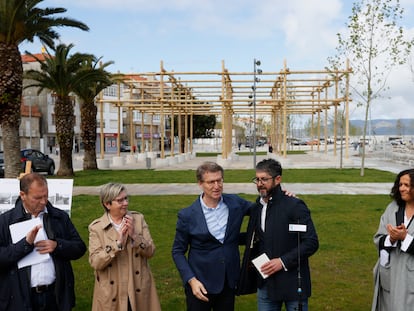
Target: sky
column 197, row 35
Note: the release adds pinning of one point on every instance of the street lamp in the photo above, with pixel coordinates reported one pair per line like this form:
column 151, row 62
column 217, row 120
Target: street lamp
column 29, row 103
column 30, row 120
column 256, row 71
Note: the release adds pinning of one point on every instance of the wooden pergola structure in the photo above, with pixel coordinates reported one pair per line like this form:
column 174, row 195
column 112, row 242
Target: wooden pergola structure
column 278, row 95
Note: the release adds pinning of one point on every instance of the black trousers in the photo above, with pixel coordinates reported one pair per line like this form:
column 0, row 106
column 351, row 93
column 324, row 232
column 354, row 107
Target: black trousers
column 223, row 301
column 44, row 300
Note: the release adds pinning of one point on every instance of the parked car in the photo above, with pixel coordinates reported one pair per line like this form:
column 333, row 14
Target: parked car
column 40, row 161
column 300, row 142
column 397, row 142
column 313, row 142
column 125, row 147
column 1, row 164
column 260, row 142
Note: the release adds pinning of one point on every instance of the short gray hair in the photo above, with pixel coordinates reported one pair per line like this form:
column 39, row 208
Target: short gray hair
column 109, row 192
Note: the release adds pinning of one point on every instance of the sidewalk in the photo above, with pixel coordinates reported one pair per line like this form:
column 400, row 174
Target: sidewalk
column 310, row 160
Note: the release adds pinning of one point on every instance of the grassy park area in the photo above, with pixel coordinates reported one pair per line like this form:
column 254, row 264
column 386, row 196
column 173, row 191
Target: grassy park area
column 341, row 269
column 99, row 177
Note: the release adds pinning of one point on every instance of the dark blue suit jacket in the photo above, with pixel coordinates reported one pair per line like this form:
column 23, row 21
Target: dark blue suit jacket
column 15, row 291
column 209, row 260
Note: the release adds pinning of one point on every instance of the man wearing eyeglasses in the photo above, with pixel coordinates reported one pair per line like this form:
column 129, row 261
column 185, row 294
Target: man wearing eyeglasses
column 209, row 231
column 282, row 228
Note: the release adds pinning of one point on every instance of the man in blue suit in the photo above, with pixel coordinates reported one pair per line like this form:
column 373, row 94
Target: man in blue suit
column 209, row 231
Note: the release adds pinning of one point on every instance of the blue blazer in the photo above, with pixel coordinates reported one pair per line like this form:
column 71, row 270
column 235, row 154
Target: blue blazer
column 210, row 261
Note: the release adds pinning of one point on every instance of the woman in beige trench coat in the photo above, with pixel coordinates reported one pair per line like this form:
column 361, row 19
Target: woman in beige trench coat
column 120, row 245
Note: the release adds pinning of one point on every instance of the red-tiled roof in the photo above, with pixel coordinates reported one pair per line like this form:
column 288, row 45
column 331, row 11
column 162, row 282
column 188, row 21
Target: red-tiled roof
column 135, row 77
column 30, row 59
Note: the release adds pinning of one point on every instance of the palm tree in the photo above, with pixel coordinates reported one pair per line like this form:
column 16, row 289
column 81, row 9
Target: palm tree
column 64, row 75
column 87, row 93
column 21, row 20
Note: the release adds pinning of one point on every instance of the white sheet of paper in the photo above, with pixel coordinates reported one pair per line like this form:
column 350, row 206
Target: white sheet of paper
column 18, row 231
column 260, row 261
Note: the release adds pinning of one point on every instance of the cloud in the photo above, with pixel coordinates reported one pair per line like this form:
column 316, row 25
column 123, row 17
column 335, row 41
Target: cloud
column 195, row 35
column 309, row 23
column 121, row 5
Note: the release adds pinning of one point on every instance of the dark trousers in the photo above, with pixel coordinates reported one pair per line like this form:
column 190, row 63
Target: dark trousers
column 44, row 300
column 223, row 301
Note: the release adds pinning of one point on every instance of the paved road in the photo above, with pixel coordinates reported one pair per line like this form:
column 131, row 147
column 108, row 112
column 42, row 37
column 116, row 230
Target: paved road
column 311, row 160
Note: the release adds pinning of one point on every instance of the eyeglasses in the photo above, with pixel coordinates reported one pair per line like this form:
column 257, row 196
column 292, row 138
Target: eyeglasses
column 262, row 180
column 213, row 182
column 121, row 200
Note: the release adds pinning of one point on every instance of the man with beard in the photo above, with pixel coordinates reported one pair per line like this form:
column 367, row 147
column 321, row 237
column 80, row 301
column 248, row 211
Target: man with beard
column 282, row 228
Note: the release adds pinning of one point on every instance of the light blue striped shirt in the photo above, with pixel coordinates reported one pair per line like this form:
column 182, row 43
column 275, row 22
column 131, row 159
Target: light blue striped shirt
column 216, row 218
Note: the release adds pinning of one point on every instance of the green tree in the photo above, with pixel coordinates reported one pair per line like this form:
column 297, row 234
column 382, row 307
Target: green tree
column 204, row 126
column 87, row 92
column 21, row 20
column 374, row 44
column 64, row 74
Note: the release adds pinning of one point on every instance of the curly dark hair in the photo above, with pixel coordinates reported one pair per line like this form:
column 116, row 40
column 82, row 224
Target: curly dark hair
column 395, row 191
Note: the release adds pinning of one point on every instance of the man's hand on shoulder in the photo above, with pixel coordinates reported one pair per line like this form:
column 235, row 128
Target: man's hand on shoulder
column 288, row 193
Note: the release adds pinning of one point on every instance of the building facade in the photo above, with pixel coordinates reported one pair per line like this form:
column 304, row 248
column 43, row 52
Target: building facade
column 139, row 130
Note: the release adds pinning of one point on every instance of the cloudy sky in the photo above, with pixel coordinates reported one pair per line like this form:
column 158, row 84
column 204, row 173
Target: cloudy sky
column 197, row 35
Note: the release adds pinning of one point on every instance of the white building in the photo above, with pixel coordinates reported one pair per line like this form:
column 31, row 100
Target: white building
column 38, row 113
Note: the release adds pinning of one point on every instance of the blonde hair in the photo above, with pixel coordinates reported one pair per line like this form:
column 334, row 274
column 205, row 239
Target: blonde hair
column 109, row 192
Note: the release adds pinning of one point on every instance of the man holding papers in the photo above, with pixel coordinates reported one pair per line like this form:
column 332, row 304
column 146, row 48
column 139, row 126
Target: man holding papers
column 280, row 239
column 37, row 243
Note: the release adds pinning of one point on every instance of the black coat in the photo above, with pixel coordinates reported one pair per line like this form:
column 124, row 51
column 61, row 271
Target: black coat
column 278, row 241
column 15, row 283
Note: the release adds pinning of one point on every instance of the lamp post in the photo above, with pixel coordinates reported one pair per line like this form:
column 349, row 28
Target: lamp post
column 29, row 103
column 30, row 120
column 256, row 71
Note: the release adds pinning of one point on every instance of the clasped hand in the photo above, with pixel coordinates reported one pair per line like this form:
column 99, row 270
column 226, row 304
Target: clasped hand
column 127, row 229
column 397, row 233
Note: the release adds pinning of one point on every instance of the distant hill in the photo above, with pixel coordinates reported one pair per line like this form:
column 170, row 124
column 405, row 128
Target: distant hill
column 387, row 127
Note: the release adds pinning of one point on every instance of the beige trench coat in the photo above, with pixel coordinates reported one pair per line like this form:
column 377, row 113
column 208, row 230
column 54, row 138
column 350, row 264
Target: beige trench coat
column 122, row 273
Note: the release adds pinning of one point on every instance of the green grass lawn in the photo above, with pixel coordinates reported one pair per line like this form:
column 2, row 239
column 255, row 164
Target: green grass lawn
column 341, row 269
column 99, row 177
